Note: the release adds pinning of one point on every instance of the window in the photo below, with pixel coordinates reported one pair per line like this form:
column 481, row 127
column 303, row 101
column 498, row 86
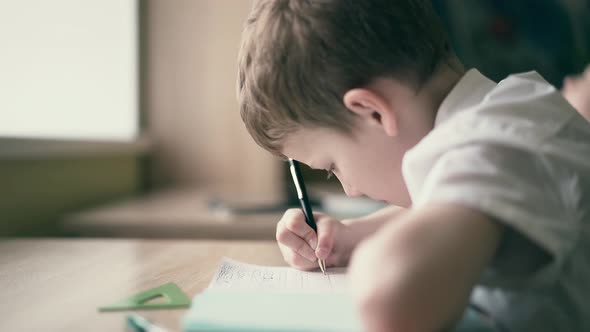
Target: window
column 68, row 69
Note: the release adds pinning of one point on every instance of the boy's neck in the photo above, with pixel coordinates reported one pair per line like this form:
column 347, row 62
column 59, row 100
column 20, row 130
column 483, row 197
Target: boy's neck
column 434, row 91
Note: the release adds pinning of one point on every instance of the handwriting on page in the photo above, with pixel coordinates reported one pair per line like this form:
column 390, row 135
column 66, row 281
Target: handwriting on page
column 238, row 275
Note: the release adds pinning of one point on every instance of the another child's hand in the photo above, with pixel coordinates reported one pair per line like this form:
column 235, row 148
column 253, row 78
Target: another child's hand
column 302, row 247
column 576, row 89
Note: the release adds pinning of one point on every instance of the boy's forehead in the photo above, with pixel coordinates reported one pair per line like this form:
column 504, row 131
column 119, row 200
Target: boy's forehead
column 305, row 136
column 313, row 147
column 295, row 145
column 305, row 145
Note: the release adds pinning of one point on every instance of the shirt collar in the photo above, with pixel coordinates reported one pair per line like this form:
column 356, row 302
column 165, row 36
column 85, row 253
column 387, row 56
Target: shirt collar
column 470, row 90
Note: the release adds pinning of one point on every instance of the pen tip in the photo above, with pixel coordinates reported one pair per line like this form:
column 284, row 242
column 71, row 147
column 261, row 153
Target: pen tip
column 322, row 265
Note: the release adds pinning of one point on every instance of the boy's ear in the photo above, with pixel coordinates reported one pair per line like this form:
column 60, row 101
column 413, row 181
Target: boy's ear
column 373, row 108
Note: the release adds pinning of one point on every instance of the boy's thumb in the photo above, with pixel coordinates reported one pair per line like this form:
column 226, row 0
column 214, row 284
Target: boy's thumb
column 313, row 242
column 325, row 241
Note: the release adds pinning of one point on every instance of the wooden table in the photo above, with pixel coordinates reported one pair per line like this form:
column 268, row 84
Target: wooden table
column 58, row 284
column 187, row 213
column 175, row 213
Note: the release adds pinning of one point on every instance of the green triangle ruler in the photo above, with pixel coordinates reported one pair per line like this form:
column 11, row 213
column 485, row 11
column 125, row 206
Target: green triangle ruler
column 170, row 291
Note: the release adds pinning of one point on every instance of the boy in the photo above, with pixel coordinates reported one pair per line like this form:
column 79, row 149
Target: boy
column 495, row 176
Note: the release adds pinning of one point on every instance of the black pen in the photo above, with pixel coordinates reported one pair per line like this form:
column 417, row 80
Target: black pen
column 305, row 206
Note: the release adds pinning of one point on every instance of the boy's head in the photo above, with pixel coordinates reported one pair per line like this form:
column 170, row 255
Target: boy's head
column 304, row 66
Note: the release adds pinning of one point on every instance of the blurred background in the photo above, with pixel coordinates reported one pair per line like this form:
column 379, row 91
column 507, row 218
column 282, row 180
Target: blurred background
column 118, row 117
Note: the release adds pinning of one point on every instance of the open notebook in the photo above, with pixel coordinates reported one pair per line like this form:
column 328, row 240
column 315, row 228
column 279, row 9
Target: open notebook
column 246, row 297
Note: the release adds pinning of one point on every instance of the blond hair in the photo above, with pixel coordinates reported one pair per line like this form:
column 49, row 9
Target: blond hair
column 299, row 57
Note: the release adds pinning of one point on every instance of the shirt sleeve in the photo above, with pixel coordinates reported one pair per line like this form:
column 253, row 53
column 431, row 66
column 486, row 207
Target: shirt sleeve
column 533, row 195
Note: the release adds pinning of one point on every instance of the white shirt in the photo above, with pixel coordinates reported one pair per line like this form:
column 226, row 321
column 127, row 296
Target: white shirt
column 518, row 152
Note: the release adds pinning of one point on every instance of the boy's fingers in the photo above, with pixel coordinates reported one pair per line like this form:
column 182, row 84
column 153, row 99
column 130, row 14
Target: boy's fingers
column 325, row 240
column 294, row 221
column 295, row 243
column 298, row 261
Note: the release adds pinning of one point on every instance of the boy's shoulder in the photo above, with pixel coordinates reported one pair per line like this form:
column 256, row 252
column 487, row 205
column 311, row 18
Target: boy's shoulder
column 522, row 111
column 519, row 96
column 493, row 132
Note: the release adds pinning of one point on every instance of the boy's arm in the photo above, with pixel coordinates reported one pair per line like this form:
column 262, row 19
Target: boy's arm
column 341, row 244
column 362, row 227
column 335, row 240
column 416, row 273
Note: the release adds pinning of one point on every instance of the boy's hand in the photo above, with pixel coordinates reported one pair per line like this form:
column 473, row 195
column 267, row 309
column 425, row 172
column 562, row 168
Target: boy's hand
column 302, row 247
column 576, row 89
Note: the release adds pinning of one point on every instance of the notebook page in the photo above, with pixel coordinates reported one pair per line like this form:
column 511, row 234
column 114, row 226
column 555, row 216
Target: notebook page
column 232, row 274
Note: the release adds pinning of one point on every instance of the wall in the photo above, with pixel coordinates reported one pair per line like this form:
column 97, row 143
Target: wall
column 190, row 61
column 36, row 192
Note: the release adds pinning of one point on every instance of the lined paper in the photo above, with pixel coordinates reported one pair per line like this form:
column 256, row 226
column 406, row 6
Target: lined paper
column 233, row 274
